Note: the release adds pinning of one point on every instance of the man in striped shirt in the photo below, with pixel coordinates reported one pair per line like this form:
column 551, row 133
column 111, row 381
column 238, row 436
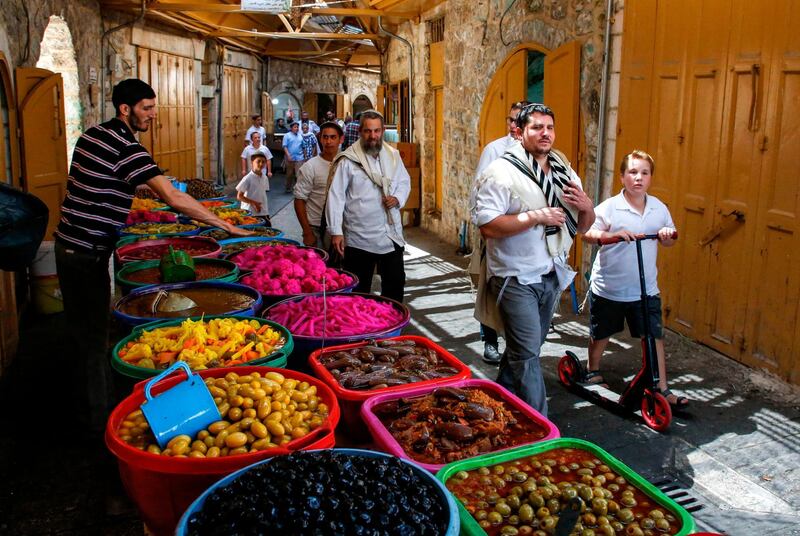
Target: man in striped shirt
column 107, row 165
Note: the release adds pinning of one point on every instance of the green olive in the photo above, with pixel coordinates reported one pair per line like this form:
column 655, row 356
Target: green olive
column 525, row 513
column 480, row 515
column 648, row 523
column 625, row 515
column 549, row 461
column 589, row 464
column 485, row 480
column 512, row 470
column 603, row 468
column 481, row 504
column 613, row 507
column 536, row 464
column 529, row 485
column 569, row 493
column 547, row 523
column 603, row 520
column 509, row 531
column 563, row 468
column 585, row 471
column 499, row 469
column 662, row 524
column 513, row 520
column 542, row 481
column 484, row 524
column 461, row 475
column 513, row 501
column 606, row 530
column 617, row 526
column 599, row 506
column 656, row 514
column 614, row 488
column 520, row 476
column 620, row 480
column 508, row 477
column 483, row 471
column 554, row 506
column 542, row 513
column 633, row 530
column 480, row 494
column 516, row 490
column 574, row 466
column 502, row 509
column 525, row 530
column 587, row 532
column 536, row 500
column 589, row 519
column 492, row 498
column 546, row 470
column 586, row 493
column 499, row 482
column 546, row 492
column 599, row 479
column 495, row 518
column 630, row 502
column 669, row 517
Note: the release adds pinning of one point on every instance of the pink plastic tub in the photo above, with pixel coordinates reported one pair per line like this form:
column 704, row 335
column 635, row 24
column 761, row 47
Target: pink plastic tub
column 385, row 442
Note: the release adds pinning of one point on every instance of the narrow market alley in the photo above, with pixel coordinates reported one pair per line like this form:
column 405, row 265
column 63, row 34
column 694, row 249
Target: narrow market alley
column 732, row 459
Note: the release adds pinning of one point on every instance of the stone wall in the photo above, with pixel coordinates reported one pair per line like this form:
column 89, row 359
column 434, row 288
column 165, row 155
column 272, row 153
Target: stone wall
column 22, row 26
column 299, row 78
column 474, row 48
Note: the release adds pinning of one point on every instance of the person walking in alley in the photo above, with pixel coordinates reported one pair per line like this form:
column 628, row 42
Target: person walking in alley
column 293, row 153
column 256, row 147
column 312, row 186
column 310, row 145
column 107, row 165
column 614, row 294
column 490, row 153
column 255, row 127
column 351, row 133
column 369, row 187
column 528, row 204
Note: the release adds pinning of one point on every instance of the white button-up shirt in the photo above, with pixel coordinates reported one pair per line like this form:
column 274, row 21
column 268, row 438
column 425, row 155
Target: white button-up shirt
column 355, row 207
column 615, row 273
column 493, row 151
column 312, row 180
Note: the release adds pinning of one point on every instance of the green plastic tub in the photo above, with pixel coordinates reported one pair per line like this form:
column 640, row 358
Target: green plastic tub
column 470, row 527
column 127, row 285
column 276, row 359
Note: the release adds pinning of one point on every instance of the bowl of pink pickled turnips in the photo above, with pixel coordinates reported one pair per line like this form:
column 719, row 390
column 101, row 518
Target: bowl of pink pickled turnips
column 282, row 271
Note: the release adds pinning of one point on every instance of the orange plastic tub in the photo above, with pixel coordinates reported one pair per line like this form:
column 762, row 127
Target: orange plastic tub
column 162, row 487
column 350, row 401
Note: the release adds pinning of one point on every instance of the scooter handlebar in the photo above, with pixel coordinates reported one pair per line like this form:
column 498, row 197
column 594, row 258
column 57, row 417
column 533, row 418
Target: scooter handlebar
column 616, row 239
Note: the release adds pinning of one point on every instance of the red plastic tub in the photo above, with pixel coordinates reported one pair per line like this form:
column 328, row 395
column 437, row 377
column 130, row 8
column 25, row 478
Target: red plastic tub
column 145, row 250
column 384, row 440
column 350, row 401
column 163, row 487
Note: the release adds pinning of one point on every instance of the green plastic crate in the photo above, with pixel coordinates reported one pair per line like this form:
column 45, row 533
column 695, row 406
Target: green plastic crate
column 470, row 527
column 276, row 359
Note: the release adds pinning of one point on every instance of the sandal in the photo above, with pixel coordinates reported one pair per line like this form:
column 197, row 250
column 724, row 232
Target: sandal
column 594, row 377
column 679, row 402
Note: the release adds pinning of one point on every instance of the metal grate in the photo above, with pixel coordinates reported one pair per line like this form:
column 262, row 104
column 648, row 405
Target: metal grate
column 436, row 30
column 678, row 493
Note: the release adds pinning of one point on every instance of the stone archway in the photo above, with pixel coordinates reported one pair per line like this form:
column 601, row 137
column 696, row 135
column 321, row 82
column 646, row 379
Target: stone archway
column 360, row 104
column 57, row 54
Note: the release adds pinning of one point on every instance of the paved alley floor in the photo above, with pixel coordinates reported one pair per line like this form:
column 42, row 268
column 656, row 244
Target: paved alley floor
column 733, row 459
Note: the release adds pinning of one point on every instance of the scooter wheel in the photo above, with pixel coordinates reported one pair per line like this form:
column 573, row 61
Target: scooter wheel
column 569, row 369
column 656, row 411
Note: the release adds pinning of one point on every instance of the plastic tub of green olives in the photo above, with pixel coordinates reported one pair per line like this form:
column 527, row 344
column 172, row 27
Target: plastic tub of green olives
column 470, row 526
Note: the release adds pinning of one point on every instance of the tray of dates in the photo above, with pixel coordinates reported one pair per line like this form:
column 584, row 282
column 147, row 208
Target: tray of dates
column 433, row 425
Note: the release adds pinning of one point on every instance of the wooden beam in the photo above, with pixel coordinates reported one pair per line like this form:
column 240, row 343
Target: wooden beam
column 293, row 35
column 236, row 8
column 286, row 23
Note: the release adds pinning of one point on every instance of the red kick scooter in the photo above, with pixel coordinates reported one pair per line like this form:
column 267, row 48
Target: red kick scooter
column 642, row 391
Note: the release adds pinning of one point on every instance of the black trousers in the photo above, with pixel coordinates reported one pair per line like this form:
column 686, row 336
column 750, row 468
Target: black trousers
column 390, row 268
column 86, row 290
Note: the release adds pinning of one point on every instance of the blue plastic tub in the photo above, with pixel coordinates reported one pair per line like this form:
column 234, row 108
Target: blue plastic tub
column 304, row 345
column 453, row 525
column 131, row 320
column 229, row 241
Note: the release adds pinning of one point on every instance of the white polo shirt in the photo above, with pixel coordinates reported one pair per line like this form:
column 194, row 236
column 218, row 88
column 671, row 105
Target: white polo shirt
column 615, row 273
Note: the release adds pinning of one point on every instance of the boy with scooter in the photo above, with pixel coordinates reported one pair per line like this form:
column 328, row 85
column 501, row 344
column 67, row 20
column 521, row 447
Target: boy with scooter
column 615, row 296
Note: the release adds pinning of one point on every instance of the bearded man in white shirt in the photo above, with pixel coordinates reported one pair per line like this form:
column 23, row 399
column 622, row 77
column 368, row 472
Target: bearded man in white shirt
column 369, row 187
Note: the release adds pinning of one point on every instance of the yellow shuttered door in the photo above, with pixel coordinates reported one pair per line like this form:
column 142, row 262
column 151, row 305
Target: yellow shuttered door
column 710, row 89
column 509, row 85
column 172, row 138
column 236, row 111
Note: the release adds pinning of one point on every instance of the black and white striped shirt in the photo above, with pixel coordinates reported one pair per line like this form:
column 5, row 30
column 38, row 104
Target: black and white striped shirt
column 107, row 165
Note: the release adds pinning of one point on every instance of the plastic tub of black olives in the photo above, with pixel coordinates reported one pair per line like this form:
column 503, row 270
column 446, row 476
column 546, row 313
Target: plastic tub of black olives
column 333, row 491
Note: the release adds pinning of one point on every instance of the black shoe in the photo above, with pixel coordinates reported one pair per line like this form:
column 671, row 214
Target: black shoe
column 490, row 354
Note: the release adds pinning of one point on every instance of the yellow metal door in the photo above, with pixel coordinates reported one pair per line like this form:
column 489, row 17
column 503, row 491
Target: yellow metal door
column 687, row 155
column 732, row 229
column 236, row 110
column 40, row 98
column 171, row 139
column 380, row 100
column 310, row 105
column 562, row 85
column 772, row 326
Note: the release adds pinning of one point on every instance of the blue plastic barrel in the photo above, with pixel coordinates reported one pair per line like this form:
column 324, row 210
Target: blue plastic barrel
column 453, row 521
column 131, row 320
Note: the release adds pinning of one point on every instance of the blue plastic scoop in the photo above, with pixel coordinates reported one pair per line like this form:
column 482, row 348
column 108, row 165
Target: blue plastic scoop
column 186, row 408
